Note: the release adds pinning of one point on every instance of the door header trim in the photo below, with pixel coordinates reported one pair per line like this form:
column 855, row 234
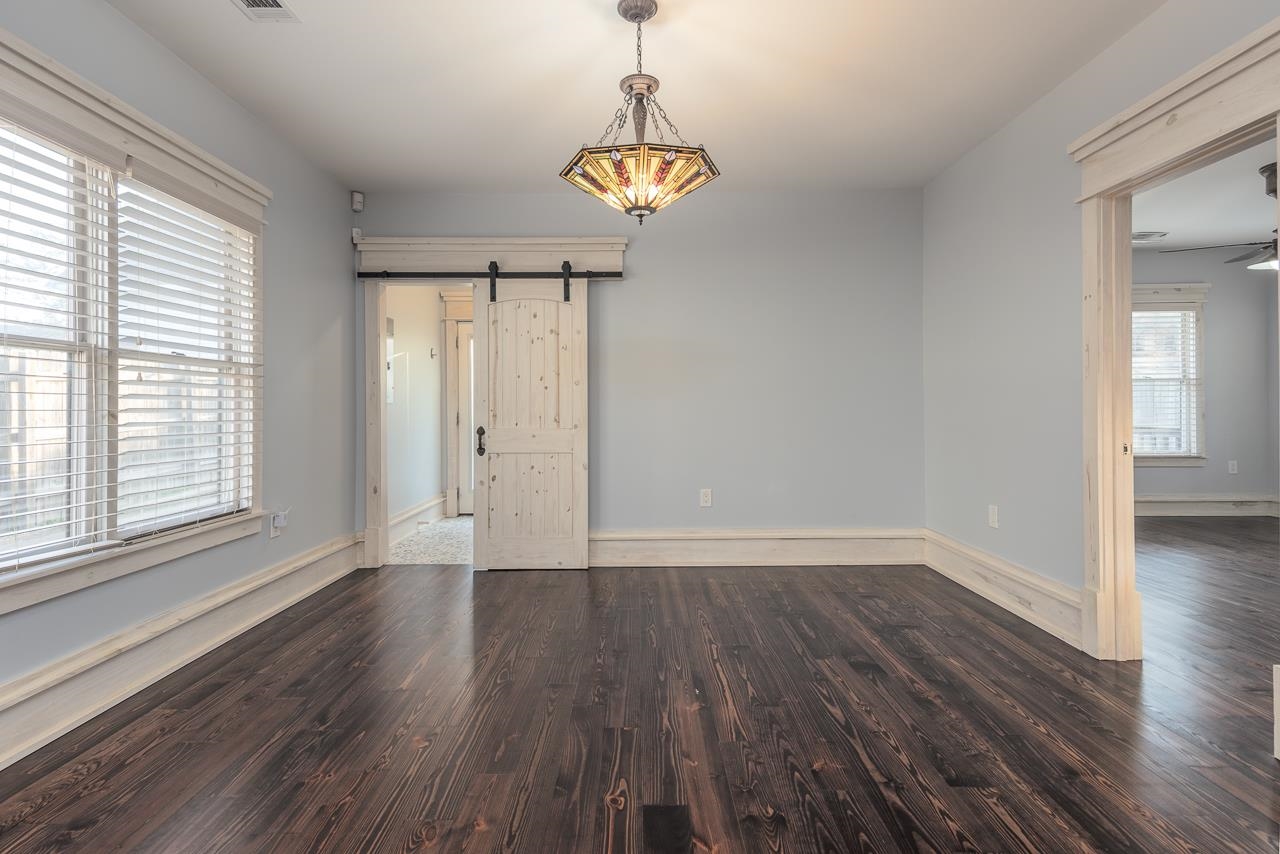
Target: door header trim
column 404, row 257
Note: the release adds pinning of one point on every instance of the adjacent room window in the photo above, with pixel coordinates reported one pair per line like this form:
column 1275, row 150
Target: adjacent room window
column 1168, row 385
column 130, row 354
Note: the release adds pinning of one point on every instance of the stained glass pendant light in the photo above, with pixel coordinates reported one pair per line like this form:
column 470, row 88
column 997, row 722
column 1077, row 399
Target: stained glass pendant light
column 640, row 178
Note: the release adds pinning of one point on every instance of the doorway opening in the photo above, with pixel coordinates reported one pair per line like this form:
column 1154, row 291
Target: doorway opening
column 1206, row 420
column 427, row 392
column 1218, row 109
column 534, row 419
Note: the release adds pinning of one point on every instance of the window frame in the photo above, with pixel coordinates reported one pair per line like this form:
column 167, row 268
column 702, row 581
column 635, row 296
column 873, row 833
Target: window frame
column 1180, row 297
column 46, row 98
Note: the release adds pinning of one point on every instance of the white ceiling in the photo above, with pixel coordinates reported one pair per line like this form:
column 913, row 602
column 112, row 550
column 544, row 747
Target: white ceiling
column 497, row 94
column 1225, row 202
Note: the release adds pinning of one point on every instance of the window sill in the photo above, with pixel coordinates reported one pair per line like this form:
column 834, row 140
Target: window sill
column 1170, row 462
column 22, row 588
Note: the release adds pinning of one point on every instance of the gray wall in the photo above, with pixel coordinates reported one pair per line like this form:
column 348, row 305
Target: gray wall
column 1239, row 376
column 1002, row 285
column 415, row 444
column 310, row 335
column 764, row 345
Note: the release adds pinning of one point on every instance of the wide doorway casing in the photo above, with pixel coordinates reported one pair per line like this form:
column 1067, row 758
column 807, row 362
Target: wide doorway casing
column 1223, row 106
column 533, row 444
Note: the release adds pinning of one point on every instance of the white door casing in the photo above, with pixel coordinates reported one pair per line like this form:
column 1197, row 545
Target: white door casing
column 466, row 459
column 531, row 402
column 397, row 258
column 1226, row 104
column 457, row 395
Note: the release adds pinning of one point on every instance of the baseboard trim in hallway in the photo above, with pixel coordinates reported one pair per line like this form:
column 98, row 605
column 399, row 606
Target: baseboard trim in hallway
column 405, row 523
column 38, row 707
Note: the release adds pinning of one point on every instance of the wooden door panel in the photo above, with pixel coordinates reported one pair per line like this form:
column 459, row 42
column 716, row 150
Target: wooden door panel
column 539, row 489
column 528, row 390
column 531, row 497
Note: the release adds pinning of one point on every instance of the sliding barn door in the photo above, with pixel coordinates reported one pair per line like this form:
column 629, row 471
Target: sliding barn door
column 531, row 423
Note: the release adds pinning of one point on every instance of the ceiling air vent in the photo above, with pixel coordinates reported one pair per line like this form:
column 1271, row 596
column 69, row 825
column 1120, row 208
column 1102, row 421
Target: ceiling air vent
column 1146, row 238
column 266, row 11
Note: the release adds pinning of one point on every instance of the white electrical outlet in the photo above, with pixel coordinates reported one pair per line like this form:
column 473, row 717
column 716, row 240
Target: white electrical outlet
column 704, row 498
column 1233, row 467
column 993, row 515
column 279, row 521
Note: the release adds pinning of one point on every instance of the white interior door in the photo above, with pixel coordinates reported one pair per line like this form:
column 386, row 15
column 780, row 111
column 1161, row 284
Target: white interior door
column 531, row 414
column 467, row 421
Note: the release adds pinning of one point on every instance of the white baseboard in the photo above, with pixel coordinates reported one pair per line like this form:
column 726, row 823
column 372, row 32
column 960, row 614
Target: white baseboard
column 406, row 522
column 1206, row 505
column 1048, row 604
column 756, row 547
column 41, row 706
column 1041, row 601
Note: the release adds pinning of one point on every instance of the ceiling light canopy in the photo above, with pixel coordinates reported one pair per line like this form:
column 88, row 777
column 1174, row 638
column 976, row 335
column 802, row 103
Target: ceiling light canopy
column 640, row 178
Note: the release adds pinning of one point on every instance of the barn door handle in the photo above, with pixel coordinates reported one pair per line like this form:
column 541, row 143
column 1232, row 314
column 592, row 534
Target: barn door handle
column 480, row 441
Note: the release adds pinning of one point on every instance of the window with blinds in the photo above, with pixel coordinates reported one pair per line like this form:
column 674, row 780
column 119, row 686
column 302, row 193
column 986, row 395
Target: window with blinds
column 130, row 354
column 1167, row 385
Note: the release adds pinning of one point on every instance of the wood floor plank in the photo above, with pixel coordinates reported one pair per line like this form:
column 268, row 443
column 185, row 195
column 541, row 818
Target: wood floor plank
column 709, row 710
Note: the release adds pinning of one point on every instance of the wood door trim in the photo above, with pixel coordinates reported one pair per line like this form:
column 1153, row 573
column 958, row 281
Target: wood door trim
column 1222, row 106
column 526, row 253
column 452, row 413
column 376, row 544
column 466, row 405
column 459, row 306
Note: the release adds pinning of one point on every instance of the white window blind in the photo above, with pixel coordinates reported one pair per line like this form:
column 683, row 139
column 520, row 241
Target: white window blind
column 1167, row 385
column 129, row 357
column 189, row 353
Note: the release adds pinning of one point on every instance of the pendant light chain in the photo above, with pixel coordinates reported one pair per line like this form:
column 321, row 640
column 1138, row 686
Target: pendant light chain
column 639, row 49
column 622, row 121
column 675, row 131
column 657, row 128
column 617, row 124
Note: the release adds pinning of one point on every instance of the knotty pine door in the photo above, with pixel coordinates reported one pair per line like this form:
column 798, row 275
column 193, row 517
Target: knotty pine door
column 531, row 403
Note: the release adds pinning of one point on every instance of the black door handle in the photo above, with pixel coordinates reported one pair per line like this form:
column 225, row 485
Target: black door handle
column 480, row 441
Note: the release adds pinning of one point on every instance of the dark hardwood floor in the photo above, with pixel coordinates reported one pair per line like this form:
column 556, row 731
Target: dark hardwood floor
column 881, row 709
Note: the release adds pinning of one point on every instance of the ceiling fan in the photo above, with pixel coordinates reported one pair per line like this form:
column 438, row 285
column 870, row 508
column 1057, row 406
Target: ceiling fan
column 1263, row 255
